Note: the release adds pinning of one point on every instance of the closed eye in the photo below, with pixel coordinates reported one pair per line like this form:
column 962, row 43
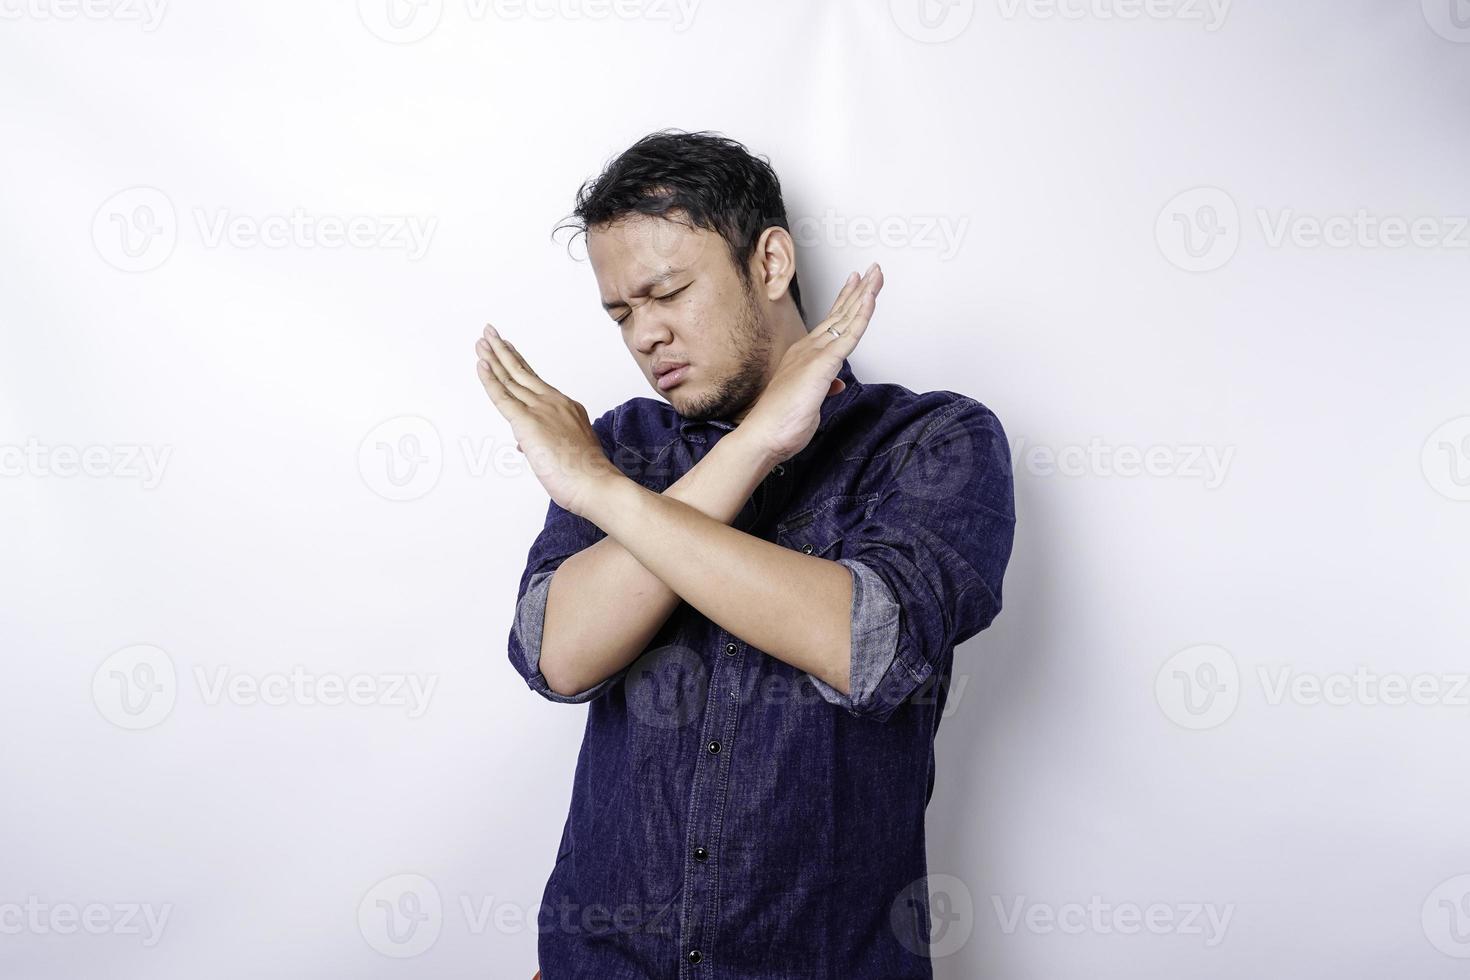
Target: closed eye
column 676, row 292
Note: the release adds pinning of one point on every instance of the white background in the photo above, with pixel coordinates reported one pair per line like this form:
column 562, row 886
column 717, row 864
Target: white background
column 334, row 494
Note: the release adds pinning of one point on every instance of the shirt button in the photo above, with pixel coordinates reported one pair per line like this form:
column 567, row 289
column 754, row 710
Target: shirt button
column 729, row 649
column 778, row 469
column 700, row 854
column 695, row 956
column 714, row 747
column 806, row 549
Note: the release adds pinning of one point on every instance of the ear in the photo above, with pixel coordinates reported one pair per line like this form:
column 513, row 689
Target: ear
column 773, row 263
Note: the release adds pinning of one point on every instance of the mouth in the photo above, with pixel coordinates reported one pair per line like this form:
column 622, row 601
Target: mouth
column 667, row 379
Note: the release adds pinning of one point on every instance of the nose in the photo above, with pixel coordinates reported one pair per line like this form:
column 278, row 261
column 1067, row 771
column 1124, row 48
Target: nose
column 652, row 325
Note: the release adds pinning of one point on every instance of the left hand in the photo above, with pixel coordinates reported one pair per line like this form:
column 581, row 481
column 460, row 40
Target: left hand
column 552, row 430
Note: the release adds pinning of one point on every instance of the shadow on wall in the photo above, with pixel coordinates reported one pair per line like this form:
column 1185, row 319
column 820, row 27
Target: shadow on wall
column 999, row 668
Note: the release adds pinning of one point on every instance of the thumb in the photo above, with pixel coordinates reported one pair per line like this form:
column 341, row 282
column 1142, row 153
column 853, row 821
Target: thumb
column 837, row 385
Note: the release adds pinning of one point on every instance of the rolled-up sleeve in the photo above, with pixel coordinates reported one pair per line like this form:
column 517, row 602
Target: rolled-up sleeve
column 928, row 559
column 564, row 534
column 874, row 638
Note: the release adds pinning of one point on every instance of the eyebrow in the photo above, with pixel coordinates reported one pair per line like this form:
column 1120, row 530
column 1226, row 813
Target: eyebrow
column 647, row 286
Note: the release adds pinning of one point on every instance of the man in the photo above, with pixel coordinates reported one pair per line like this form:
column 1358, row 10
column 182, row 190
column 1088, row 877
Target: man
column 755, row 582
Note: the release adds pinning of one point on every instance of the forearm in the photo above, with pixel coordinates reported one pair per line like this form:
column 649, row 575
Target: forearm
column 604, row 606
column 796, row 607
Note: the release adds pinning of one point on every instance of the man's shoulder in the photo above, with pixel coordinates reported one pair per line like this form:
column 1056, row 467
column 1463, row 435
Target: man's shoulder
column 895, row 411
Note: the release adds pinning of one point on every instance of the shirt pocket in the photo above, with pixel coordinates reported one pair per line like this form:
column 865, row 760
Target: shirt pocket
column 819, row 530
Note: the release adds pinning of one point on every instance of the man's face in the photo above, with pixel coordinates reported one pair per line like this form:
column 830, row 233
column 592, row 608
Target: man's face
column 680, row 300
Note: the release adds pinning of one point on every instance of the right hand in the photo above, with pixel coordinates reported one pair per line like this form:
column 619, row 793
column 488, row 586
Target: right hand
column 788, row 411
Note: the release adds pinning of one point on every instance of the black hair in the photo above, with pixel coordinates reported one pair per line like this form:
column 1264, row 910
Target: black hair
column 713, row 180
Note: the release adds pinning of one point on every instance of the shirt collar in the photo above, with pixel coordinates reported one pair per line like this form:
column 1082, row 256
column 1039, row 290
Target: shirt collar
column 831, row 407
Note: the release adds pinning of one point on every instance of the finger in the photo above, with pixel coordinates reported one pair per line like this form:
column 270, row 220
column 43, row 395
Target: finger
column 875, row 284
column 862, row 313
column 847, row 284
column 502, row 373
column 854, row 324
column 494, row 348
column 872, row 281
column 853, row 327
column 505, row 384
column 505, row 403
column 515, row 365
column 845, row 307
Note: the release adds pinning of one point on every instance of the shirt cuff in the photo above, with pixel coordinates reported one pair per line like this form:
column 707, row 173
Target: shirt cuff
column 530, row 622
column 874, row 639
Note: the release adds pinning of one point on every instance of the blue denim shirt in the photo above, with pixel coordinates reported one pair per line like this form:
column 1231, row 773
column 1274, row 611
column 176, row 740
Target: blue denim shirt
column 731, row 815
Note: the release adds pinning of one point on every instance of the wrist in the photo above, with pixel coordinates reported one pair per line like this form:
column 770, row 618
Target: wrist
column 752, row 452
column 605, row 492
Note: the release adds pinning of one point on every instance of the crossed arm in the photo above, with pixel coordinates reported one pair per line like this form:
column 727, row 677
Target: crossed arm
column 661, row 548
column 607, row 601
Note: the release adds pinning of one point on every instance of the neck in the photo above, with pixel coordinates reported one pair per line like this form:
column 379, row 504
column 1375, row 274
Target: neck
column 789, row 328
